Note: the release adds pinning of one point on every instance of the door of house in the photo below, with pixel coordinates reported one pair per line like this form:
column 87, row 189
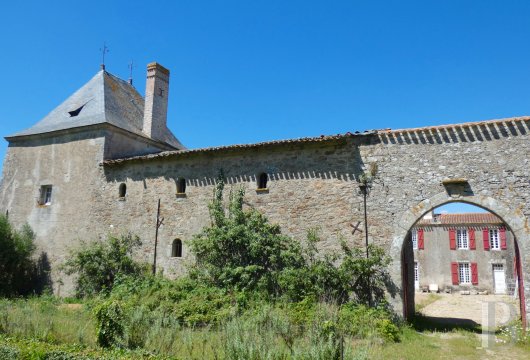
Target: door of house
column 499, row 280
column 416, row 276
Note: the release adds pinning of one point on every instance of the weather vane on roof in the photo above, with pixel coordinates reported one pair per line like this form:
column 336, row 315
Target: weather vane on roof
column 103, row 50
column 131, row 65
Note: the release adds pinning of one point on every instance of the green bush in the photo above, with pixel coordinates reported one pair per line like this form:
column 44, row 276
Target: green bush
column 241, row 250
column 109, row 324
column 8, row 352
column 20, row 274
column 98, row 264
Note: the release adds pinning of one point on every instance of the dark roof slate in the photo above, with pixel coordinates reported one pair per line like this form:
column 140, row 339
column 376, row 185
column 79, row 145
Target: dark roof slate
column 104, row 99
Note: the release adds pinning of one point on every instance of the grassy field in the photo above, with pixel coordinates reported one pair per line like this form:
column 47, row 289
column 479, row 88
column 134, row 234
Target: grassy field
column 46, row 328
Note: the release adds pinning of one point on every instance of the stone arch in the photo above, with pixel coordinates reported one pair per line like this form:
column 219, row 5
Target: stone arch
column 513, row 218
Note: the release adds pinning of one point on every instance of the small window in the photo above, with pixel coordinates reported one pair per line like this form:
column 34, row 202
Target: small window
column 262, row 181
column 495, row 242
column 176, row 248
column 414, row 234
column 464, row 273
column 123, row 190
column 45, row 197
column 181, row 186
column 462, row 239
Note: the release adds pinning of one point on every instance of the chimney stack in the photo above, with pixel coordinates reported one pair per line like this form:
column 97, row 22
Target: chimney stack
column 156, row 95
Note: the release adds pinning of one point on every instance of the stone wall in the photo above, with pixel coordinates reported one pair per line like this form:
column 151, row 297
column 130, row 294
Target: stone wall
column 70, row 163
column 312, row 184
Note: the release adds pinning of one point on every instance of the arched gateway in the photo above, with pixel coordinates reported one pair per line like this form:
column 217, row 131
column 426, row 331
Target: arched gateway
column 403, row 262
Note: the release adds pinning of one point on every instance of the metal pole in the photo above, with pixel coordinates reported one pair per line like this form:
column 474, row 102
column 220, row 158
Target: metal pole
column 156, row 236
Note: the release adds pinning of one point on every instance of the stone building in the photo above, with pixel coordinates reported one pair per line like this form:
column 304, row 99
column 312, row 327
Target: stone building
column 101, row 160
column 471, row 251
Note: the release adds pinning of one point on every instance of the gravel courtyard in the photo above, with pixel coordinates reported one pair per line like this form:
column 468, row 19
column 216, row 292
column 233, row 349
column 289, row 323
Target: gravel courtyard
column 450, row 308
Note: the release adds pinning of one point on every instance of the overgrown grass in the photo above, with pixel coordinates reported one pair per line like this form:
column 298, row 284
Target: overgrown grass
column 47, row 319
column 283, row 331
column 46, row 328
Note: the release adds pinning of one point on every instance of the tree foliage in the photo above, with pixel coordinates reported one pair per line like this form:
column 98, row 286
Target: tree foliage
column 241, row 250
column 18, row 270
column 97, row 264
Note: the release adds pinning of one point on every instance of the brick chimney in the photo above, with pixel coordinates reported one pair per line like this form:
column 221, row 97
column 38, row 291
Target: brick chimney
column 156, row 95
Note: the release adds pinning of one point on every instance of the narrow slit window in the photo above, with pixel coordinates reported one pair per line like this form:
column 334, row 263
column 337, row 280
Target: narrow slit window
column 262, row 181
column 181, row 186
column 176, row 248
column 123, row 190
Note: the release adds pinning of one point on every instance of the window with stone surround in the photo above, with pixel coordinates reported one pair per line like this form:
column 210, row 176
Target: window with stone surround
column 122, row 190
column 45, row 196
column 176, row 248
column 181, row 186
column 262, row 179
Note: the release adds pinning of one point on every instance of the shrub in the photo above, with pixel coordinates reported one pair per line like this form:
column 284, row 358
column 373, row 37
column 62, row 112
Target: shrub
column 19, row 273
column 109, row 324
column 98, row 264
column 241, row 250
column 8, row 353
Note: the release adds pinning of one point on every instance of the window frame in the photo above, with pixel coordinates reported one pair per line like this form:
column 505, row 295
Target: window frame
column 462, row 239
column 462, row 268
column 45, row 195
column 494, row 238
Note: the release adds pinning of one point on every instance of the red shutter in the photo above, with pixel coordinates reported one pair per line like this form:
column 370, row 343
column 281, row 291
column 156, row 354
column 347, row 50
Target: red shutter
column 474, row 274
column 454, row 273
column 421, row 242
column 472, row 242
column 452, row 239
column 502, row 232
column 486, row 238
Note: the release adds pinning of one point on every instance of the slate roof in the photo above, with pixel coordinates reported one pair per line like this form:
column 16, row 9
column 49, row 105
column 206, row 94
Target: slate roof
column 104, row 99
column 464, row 218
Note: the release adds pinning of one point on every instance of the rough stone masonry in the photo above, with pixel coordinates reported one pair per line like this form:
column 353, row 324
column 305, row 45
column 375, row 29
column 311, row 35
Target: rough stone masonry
column 311, row 182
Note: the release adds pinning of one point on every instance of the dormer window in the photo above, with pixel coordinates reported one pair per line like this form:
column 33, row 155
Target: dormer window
column 76, row 111
column 45, row 196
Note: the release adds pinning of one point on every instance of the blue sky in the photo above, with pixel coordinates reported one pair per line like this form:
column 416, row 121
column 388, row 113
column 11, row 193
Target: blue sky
column 249, row 71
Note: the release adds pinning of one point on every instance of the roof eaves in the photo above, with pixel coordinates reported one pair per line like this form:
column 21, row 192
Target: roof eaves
column 322, row 138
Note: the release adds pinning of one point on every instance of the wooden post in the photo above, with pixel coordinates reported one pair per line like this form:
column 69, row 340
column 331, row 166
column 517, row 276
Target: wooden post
column 159, row 222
